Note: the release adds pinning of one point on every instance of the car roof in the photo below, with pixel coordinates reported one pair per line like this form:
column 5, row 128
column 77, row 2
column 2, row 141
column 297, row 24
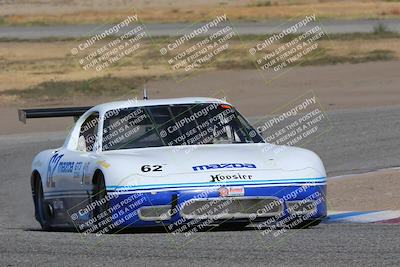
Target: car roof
column 155, row 102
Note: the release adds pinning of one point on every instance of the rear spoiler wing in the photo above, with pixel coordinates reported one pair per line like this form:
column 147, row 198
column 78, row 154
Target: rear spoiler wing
column 32, row 113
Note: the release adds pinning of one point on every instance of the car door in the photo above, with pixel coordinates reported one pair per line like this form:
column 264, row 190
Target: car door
column 68, row 165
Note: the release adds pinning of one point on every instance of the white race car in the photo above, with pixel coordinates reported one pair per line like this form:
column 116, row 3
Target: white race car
column 172, row 163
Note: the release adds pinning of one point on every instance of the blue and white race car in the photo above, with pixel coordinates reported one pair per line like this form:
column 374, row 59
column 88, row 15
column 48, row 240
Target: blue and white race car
column 172, row 163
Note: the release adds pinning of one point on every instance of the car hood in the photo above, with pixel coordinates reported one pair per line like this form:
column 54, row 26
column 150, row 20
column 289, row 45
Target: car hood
column 210, row 163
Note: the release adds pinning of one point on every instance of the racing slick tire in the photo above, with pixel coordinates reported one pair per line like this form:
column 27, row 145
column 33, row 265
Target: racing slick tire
column 233, row 226
column 43, row 210
column 100, row 213
column 306, row 224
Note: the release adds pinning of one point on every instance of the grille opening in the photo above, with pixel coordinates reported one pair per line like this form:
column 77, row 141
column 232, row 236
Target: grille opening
column 155, row 213
column 227, row 208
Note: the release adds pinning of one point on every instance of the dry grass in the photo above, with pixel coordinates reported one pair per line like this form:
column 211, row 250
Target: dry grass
column 30, row 69
column 250, row 11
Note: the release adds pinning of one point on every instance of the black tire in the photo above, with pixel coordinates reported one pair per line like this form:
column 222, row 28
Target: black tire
column 306, row 224
column 233, row 226
column 42, row 208
column 314, row 223
column 99, row 195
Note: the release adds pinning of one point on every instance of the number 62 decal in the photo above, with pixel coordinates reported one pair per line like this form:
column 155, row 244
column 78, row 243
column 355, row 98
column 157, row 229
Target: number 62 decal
column 151, row 168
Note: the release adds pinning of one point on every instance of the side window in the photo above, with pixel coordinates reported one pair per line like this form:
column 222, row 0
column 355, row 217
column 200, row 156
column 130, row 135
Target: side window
column 88, row 133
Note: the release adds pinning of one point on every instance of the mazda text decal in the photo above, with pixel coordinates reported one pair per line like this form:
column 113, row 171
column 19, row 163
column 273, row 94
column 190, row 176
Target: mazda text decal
column 224, row 166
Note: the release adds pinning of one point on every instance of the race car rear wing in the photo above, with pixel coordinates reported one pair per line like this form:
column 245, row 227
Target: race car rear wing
column 75, row 112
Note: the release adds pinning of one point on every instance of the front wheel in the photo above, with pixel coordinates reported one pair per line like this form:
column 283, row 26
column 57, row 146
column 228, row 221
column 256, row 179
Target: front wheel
column 42, row 208
column 101, row 213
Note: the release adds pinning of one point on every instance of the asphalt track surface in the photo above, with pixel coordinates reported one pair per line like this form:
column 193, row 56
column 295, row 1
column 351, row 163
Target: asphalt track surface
column 360, row 140
column 177, row 29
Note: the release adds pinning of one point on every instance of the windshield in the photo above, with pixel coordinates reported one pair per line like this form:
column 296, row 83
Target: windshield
column 174, row 125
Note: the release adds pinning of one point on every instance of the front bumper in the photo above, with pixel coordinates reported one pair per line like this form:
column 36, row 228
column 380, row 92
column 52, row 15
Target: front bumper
column 176, row 208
